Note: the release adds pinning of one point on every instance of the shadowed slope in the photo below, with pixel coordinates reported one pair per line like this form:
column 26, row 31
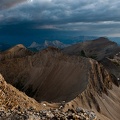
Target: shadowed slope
column 47, row 75
column 113, row 66
column 101, row 94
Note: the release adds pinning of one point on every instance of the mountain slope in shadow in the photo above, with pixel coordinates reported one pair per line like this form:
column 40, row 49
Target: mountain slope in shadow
column 48, row 75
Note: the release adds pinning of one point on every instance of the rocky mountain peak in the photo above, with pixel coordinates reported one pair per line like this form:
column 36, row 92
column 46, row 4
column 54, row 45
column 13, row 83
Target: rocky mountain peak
column 15, row 51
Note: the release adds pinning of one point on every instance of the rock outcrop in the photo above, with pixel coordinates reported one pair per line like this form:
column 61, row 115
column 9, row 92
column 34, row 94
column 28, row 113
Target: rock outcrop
column 113, row 66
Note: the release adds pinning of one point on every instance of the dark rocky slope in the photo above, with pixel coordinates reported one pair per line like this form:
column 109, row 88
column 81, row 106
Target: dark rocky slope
column 48, row 75
column 113, row 65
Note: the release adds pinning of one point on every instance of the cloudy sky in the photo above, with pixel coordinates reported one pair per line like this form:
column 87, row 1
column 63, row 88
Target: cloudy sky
column 81, row 17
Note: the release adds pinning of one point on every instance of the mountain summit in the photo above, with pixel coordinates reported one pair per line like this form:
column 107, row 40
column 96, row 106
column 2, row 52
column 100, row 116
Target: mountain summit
column 15, row 51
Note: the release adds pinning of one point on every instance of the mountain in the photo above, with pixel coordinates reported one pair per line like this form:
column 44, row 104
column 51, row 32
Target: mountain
column 35, row 46
column 102, row 50
column 55, row 43
column 37, row 73
column 97, row 49
column 15, row 52
column 70, row 79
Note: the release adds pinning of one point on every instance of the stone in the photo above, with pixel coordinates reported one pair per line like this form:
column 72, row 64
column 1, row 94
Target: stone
column 49, row 115
column 78, row 110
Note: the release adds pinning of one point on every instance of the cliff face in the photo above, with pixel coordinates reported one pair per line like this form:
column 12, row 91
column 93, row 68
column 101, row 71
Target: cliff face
column 101, row 94
column 113, row 66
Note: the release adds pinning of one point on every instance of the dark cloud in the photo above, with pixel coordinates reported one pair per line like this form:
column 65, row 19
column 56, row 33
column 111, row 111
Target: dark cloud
column 5, row 4
column 88, row 16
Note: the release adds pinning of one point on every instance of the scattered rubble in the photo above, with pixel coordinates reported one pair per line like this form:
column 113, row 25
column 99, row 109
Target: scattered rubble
column 52, row 114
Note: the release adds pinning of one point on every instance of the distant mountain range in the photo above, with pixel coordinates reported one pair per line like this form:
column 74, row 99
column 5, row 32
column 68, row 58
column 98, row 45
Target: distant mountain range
column 60, row 43
column 56, row 43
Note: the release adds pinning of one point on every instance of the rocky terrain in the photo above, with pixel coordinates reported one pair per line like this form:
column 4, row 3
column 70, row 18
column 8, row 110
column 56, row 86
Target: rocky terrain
column 55, row 114
column 113, row 65
column 69, row 81
column 15, row 105
column 11, row 98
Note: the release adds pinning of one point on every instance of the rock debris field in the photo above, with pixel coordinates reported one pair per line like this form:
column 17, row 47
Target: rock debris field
column 52, row 114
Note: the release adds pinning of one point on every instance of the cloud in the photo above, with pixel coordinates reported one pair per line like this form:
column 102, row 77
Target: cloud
column 79, row 15
column 5, row 4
